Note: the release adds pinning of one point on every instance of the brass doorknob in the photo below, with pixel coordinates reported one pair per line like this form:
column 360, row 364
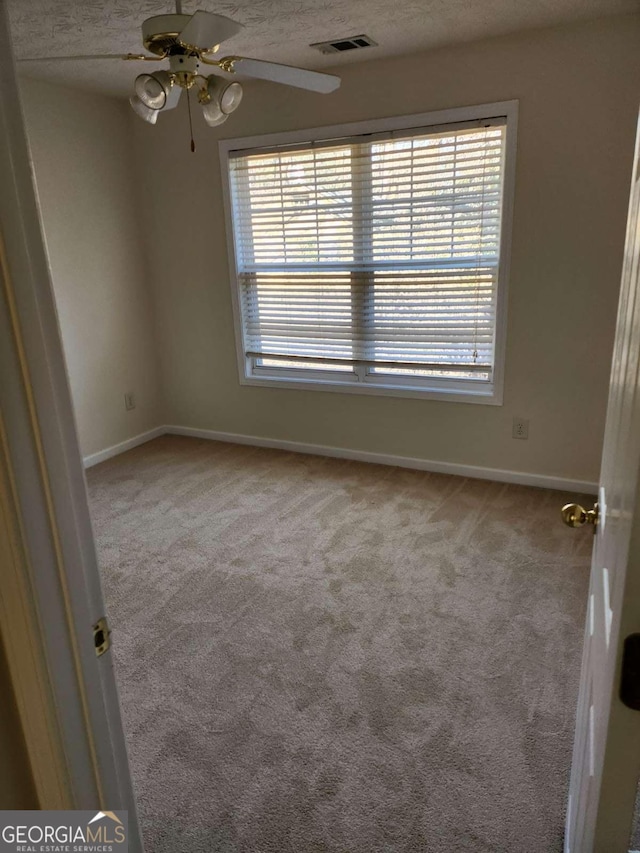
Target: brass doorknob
column 575, row 515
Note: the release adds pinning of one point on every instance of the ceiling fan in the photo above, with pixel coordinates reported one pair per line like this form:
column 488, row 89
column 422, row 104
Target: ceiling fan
column 187, row 42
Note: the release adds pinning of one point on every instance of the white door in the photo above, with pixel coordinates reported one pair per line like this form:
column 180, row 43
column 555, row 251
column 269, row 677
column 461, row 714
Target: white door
column 606, row 753
column 40, row 445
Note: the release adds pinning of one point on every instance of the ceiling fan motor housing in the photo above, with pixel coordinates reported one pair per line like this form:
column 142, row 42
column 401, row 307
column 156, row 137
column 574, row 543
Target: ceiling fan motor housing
column 185, row 68
column 160, row 33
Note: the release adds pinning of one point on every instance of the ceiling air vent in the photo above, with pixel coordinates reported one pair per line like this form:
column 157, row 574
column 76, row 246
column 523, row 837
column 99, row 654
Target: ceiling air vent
column 340, row 45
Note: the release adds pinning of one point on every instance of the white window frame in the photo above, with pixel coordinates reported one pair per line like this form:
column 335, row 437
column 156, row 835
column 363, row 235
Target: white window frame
column 472, row 391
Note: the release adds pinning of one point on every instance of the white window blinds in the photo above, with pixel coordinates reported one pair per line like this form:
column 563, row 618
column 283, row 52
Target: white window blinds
column 377, row 252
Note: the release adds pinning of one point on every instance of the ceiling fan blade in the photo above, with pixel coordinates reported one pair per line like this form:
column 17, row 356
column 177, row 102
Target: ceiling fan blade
column 82, row 57
column 314, row 81
column 205, row 30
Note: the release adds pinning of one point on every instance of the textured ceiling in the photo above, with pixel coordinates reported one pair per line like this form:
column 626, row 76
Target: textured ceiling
column 279, row 30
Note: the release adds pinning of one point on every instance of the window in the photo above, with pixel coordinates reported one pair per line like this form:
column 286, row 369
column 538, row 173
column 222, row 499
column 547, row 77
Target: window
column 374, row 262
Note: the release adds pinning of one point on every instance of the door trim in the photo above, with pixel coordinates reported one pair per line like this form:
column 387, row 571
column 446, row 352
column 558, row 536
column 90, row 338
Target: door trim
column 22, row 641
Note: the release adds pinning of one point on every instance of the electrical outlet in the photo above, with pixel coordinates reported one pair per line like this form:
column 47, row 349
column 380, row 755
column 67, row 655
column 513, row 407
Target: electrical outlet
column 520, row 428
column 129, row 401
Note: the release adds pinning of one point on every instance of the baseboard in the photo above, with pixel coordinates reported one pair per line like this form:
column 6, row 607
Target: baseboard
column 108, row 452
column 498, row 474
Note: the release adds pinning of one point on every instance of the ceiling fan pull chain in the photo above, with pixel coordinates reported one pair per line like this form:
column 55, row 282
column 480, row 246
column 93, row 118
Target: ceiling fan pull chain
column 193, row 144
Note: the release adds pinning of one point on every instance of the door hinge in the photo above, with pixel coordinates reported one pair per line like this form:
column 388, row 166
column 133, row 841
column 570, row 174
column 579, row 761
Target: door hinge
column 101, row 633
column 630, row 677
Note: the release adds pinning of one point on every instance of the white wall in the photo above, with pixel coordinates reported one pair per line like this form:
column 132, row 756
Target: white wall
column 82, row 150
column 578, row 88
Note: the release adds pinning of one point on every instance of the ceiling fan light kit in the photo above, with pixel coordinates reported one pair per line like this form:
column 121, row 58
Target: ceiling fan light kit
column 145, row 112
column 187, row 41
column 152, row 89
column 213, row 115
column 227, row 95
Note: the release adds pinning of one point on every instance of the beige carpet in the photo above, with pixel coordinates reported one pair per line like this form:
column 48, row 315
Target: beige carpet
column 322, row 655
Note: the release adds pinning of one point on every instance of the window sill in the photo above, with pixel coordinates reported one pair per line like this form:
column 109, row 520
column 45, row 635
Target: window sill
column 488, row 395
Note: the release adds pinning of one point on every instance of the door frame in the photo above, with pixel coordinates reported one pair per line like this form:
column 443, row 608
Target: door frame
column 66, row 694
